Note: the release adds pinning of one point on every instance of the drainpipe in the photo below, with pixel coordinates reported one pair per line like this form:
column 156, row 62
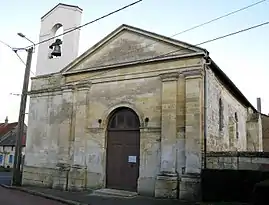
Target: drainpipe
column 207, row 62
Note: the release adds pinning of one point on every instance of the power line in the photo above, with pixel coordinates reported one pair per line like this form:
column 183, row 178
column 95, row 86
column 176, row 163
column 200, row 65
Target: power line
column 78, row 27
column 15, row 51
column 136, row 2
column 227, row 35
column 220, row 17
column 177, row 50
column 197, row 26
column 6, row 44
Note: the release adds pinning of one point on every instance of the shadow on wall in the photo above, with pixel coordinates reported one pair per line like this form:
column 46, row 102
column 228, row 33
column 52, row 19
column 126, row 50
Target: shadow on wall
column 230, row 185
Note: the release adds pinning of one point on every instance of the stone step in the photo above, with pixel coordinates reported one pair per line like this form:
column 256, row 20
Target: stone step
column 113, row 193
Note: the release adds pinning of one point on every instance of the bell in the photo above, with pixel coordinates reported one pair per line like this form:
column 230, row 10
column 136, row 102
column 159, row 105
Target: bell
column 56, row 48
column 56, row 51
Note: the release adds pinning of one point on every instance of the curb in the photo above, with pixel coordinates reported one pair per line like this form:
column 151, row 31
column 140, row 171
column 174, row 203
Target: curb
column 47, row 196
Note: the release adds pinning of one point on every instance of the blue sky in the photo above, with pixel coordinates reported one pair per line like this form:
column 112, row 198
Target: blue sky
column 242, row 57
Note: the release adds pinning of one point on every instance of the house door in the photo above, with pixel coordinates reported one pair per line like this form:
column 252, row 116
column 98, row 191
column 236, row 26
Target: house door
column 123, row 149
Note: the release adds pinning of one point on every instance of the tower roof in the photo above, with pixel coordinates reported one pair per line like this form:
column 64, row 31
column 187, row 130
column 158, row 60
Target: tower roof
column 60, row 5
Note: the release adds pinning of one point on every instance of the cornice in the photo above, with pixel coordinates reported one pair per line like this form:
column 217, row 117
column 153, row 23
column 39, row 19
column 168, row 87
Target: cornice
column 85, row 84
column 173, row 76
column 192, row 73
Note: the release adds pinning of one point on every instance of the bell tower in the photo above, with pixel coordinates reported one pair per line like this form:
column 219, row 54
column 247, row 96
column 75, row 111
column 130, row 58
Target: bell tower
column 55, row 54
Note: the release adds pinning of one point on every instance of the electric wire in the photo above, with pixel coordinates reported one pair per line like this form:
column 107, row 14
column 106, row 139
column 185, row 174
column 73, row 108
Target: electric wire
column 15, row 51
column 93, row 21
column 195, row 27
column 177, row 50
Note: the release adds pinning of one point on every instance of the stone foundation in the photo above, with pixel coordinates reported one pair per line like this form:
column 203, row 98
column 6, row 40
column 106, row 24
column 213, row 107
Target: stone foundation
column 146, row 186
column 36, row 176
column 60, row 179
column 190, row 188
column 63, row 177
column 77, row 178
column 166, row 186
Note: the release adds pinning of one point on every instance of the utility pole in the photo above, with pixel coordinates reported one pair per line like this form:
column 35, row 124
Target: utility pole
column 16, row 175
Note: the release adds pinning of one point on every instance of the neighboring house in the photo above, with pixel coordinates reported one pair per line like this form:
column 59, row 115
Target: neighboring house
column 109, row 119
column 8, row 142
column 265, row 132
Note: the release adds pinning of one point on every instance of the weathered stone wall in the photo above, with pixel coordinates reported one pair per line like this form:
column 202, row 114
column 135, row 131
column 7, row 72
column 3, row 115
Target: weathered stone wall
column 265, row 132
column 128, row 46
column 226, row 139
column 238, row 160
column 143, row 96
column 43, row 135
column 66, row 141
column 254, row 132
column 45, row 118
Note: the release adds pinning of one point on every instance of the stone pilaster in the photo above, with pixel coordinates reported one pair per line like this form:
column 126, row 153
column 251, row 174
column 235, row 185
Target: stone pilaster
column 65, row 125
column 254, row 132
column 80, row 121
column 65, row 136
column 167, row 180
column 190, row 180
column 77, row 176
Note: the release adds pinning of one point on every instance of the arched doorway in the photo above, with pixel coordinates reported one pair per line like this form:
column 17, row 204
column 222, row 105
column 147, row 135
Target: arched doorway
column 123, row 149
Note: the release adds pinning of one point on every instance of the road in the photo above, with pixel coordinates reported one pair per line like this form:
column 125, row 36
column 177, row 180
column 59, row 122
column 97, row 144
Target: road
column 13, row 197
column 5, row 178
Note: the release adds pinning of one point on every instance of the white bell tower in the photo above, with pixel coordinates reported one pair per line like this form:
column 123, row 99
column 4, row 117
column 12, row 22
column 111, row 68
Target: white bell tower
column 62, row 16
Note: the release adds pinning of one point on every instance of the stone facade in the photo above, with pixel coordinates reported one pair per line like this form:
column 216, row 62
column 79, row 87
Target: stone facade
column 69, row 113
column 232, row 127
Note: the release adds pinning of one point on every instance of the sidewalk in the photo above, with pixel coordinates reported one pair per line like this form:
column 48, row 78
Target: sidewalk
column 86, row 198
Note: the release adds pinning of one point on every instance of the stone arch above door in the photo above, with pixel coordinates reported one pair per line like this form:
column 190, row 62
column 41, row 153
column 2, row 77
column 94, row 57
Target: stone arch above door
column 107, row 114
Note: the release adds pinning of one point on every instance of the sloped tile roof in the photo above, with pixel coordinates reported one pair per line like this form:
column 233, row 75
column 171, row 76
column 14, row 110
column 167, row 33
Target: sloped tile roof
column 8, row 132
column 10, row 139
column 5, row 128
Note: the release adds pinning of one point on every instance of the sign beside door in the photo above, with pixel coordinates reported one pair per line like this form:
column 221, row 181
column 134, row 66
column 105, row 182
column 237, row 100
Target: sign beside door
column 132, row 159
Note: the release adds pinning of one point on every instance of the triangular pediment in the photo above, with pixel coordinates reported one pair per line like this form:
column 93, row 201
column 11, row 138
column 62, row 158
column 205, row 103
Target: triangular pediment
column 129, row 44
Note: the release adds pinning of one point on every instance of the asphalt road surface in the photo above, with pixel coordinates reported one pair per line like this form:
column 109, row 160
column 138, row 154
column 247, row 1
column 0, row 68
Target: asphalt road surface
column 5, row 178
column 14, row 197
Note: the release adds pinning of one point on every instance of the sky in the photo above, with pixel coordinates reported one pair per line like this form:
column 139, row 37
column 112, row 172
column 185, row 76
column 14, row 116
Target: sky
column 242, row 57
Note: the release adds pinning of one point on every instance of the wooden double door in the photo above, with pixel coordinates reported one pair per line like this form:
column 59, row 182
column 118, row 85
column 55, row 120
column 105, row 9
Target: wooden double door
column 123, row 149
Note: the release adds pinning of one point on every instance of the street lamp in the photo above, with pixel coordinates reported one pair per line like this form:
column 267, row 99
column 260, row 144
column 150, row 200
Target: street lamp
column 23, row 36
column 16, row 175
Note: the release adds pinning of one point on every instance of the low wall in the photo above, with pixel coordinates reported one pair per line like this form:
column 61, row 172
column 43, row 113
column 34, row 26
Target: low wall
column 238, row 160
column 231, row 176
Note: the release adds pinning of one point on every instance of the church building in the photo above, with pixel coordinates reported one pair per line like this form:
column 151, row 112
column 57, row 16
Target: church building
column 137, row 111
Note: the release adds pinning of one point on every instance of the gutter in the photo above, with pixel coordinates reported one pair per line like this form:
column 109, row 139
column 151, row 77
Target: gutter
column 206, row 63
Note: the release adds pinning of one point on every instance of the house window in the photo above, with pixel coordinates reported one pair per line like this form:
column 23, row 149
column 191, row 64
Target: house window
column 1, row 159
column 221, row 123
column 236, row 125
column 10, row 159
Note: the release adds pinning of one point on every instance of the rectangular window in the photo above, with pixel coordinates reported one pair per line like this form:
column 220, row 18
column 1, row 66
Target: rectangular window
column 1, row 159
column 10, row 159
column 236, row 125
column 221, row 116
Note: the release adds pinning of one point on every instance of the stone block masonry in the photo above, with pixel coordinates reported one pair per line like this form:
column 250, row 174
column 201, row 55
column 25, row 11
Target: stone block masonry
column 258, row 161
